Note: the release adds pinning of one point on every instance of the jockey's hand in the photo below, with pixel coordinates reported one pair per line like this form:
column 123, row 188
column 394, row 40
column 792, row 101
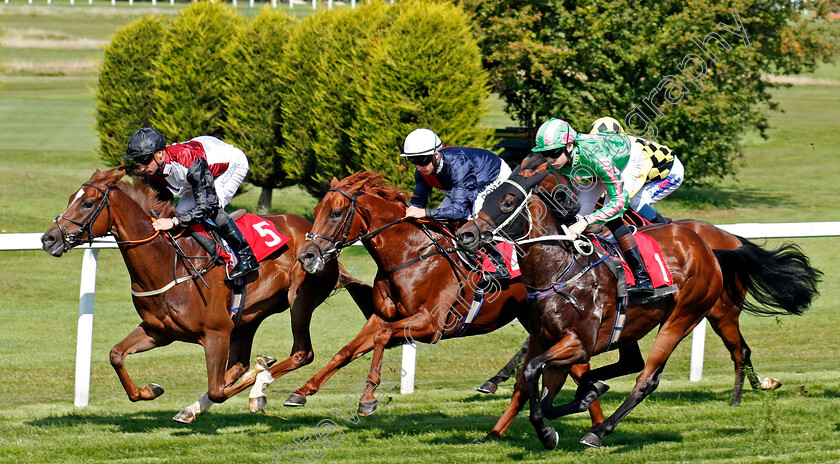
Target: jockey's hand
column 415, row 212
column 577, row 228
column 163, row 224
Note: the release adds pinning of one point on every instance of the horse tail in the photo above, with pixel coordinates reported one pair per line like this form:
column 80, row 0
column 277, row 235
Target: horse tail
column 361, row 292
column 781, row 281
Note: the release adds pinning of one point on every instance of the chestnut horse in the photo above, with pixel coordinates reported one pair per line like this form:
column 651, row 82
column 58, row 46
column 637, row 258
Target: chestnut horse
column 575, row 315
column 179, row 307
column 422, row 291
column 723, row 318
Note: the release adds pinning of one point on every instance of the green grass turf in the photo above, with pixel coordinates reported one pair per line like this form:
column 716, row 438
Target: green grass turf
column 47, row 149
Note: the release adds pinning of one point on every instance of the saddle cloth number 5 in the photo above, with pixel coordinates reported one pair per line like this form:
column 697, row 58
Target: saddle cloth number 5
column 264, row 229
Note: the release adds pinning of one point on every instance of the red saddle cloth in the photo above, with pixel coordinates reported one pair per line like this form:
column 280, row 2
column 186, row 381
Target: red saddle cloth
column 660, row 275
column 511, row 261
column 262, row 235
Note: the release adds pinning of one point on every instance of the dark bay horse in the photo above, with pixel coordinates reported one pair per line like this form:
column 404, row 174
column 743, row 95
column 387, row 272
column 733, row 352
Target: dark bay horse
column 188, row 311
column 723, row 318
column 575, row 310
column 422, row 291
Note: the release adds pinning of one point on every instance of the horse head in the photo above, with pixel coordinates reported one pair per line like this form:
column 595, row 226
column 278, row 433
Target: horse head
column 343, row 216
column 504, row 211
column 83, row 219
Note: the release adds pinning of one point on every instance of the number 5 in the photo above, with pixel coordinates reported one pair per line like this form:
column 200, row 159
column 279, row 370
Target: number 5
column 263, row 229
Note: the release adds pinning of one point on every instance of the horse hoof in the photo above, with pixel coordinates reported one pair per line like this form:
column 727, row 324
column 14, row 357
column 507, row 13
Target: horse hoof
column 366, row 409
column 550, row 441
column 479, row 441
column 257, row 404
column 600, row 387
column 184, row 417
column 156, row 390
column 487, row 387
column 591, row 440
column 770, row 384
column 295, row 401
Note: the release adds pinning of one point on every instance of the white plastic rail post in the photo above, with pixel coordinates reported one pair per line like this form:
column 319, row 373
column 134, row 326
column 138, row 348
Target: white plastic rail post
column 698, row 344
column 409, row 363
column 84, row 333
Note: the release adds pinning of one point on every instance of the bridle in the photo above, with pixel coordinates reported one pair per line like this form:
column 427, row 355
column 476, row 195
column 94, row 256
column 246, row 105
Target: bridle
column 74, row 239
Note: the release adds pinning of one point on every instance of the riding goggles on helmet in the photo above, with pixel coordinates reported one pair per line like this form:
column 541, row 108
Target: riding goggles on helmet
column 421, row 160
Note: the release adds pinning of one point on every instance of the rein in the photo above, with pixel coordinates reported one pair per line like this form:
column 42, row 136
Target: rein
column 72, row 240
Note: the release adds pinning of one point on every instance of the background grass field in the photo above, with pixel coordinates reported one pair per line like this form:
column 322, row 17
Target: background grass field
column 47, row 149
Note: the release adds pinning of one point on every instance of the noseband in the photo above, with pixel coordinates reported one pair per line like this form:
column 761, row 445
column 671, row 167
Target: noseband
column 74, row 239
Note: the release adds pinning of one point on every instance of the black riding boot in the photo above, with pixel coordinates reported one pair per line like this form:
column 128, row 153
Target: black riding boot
column 660, row 219
column 498, row 260
column 637, row 266
column 247, row 262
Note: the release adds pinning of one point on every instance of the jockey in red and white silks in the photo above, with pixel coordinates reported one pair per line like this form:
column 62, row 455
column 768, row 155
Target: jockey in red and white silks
column 228, row 165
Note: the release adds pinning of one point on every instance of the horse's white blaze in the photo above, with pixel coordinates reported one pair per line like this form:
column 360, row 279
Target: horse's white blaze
column 79, row 194
column 263, row 378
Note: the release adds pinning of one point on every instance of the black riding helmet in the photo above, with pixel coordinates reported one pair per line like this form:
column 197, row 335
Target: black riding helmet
column 143, row 145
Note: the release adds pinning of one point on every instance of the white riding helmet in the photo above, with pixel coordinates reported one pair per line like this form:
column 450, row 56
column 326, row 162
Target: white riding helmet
column 421, row 142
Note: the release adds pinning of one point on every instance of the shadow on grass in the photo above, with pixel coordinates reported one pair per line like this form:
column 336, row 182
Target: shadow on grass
column 714, row 197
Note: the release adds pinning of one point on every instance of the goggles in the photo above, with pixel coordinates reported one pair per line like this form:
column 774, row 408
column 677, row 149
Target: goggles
column 421, row 160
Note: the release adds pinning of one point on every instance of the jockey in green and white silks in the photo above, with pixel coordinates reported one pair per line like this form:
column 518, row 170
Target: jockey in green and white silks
column 606, row 163
column 661, row 173
column 594, row 165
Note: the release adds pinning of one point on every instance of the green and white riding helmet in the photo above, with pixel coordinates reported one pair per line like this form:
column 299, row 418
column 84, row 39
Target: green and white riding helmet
column 606, row 124
column 553, row 134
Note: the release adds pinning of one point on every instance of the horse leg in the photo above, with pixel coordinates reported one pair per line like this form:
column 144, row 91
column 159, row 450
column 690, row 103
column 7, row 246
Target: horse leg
column 139, row 340
column 569, row 350
column 303, row 303
column 726, row 326
column 241, row 341
column 361, row 344
column 586, row 397
column 490, row 386
column 517, row 400
column 591, row 387
column 421, row 328
column 669, row 336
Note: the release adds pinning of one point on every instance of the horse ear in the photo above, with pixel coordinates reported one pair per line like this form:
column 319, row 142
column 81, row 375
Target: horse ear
column 333, row 183
column 515, row 171
column 533, row 181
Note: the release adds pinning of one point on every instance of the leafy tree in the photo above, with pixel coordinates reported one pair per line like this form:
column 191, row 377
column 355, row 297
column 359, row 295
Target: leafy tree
column 324, row 70
column 124, row 97
column 687, row 73
column 253, row 101
column 424, row 72
column 191, row 71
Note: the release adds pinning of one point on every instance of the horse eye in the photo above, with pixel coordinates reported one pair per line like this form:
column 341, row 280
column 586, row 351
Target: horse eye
column 335, row 214
column 87, row 204
column 507, row 206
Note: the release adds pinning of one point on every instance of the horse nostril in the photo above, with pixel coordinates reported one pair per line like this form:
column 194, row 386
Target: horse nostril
column 467, row 238
column 308, row 256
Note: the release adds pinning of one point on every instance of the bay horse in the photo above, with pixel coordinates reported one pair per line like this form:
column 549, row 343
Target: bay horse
column 187, row 311
column 422, row 291
column 575, row 313
column 723, row 318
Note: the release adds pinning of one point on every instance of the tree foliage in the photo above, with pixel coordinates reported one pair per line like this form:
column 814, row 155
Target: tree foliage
column 253, row 101
column 327, row 57
column 124, row 97
column 424, row 72
column 690, row 74
column 191, row 71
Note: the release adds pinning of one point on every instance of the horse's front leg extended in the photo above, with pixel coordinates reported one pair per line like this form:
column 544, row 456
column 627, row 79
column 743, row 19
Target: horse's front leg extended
column 139, row 340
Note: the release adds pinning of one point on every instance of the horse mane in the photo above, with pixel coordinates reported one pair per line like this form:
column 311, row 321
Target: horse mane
column 372, row 183
column 146, row 198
